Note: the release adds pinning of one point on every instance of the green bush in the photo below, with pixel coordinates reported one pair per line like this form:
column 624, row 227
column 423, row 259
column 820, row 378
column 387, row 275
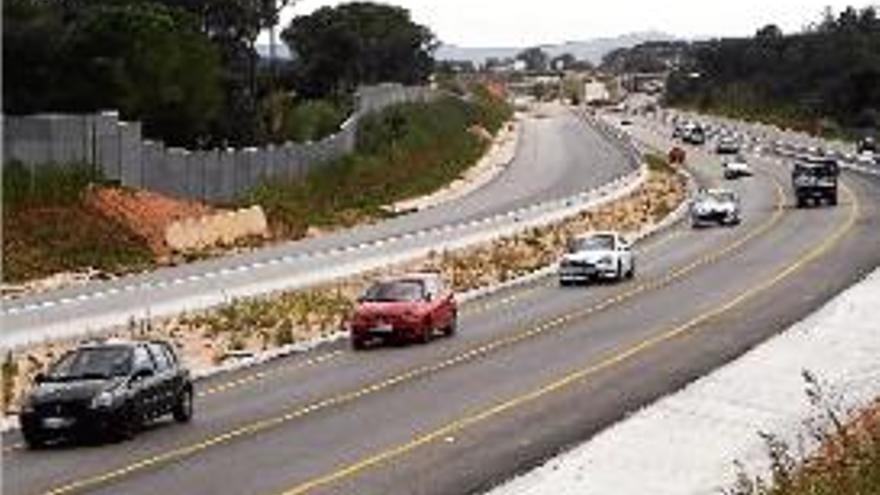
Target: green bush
column 45, row 185
column 403, row 151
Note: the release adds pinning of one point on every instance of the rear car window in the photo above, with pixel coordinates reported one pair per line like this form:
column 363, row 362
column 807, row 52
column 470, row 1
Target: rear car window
column 396, row 291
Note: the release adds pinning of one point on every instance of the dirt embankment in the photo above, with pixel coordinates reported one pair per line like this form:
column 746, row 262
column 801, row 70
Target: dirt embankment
column 147, row 214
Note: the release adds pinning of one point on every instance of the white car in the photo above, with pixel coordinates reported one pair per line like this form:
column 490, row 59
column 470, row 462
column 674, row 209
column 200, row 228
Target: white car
column 599, row 255
column 736, row 168
column 717, row 207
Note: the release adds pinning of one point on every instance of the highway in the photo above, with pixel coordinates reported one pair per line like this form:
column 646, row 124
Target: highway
column 534, row 369
column 559, row 156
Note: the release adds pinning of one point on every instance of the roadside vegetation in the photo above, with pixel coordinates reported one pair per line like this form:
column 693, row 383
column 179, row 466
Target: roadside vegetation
column 192, row 71
column 401, row 152
column 847, row 461
column 47, row 228
column 824, row 80
column 249, row 326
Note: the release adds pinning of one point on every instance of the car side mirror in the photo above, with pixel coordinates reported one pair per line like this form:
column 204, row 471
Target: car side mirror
column 142, row 374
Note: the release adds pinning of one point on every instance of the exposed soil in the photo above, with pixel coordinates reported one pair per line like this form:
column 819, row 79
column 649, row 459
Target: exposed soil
column 146, row 213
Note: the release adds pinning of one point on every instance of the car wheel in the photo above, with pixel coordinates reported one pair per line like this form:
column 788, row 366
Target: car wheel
column 424, row 336
column 631, row 273
column 358, row 343
column 832, row 201
column 129, row 423
column 619, row 275
column 34, row 440
column 452, row 328
column 801, row 202
column 183, row 410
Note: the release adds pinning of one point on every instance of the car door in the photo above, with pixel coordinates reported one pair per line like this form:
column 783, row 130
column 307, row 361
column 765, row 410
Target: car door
column 164, row 379
column 624, row 251
column 445, row 304
column 144, row 385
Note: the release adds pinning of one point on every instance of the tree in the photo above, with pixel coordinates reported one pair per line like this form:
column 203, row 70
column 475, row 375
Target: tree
column 339, row 48
column 535, row 58
column 147, row 60
column 150, row 62
column 563, row 62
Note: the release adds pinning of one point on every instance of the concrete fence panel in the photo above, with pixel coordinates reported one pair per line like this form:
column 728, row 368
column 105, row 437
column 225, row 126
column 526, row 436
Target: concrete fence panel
column 118, row 150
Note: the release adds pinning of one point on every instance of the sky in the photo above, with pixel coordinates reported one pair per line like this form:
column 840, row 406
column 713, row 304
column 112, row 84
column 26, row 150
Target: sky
column 516, row 23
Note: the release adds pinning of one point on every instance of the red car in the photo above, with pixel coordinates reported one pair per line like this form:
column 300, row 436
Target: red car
column 410, row 308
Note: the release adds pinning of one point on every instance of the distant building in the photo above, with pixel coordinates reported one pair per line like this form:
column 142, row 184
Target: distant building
column 596, row 93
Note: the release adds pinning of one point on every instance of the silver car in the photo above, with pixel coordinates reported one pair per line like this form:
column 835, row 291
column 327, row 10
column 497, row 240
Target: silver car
column 715, row 207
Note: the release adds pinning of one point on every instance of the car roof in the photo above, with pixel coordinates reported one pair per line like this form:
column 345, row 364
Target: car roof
column 410, row 276
column 116, row 342
column 717, row 191
column 597, row 233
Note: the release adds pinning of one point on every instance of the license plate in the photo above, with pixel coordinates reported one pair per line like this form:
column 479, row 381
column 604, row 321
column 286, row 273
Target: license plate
column 383, row 328
column 55, row 423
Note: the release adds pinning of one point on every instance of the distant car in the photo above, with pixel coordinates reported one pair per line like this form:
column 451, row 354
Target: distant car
column 737, row 167
column 106, row 390
column 815, row 180
column 595, row 256
column 727, row 146
column 409, row 308
column 695, row 136
column 868, row 144
column 715, row 207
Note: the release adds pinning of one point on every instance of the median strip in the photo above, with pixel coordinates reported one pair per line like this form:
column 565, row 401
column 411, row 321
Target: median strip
column 547, row 327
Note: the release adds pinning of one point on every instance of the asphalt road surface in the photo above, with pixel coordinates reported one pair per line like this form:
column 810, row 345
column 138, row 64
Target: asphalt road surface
column 559, row 155
column 532, row 371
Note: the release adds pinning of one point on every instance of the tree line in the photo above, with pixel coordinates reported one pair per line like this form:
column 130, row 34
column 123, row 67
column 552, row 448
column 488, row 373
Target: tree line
column 824, row 79
column 190, row 69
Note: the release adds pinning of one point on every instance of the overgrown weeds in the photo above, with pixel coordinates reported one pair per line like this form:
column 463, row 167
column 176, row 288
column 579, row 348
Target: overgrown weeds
column 847, row 461
column 403, row 151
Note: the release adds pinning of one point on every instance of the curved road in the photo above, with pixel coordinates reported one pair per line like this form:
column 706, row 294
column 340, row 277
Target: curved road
column 558, row 156
column 533, row 370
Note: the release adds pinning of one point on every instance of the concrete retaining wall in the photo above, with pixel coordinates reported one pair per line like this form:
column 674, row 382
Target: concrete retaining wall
column 219, row 175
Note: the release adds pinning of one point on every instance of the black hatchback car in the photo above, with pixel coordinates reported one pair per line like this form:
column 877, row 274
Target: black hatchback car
column 107, row 389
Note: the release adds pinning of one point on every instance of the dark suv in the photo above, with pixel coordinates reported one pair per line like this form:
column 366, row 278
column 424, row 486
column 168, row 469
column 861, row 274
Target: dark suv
column 815, row 180
column 106, row 389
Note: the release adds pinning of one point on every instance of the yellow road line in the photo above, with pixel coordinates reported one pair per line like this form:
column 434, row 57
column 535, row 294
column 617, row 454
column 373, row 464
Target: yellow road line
column 465, row 356
column 521, row 293
column 579, row 375
column 262, row 375
column 249, row 379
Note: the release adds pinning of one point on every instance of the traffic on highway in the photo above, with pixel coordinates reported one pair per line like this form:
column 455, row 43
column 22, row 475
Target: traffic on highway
column 626, row 249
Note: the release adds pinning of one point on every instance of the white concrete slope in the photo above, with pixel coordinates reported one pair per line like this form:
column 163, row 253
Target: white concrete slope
column 689, row 443
column 204, row 285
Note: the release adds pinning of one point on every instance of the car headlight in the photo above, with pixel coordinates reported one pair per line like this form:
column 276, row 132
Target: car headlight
column 104, row 399
column 606, row 260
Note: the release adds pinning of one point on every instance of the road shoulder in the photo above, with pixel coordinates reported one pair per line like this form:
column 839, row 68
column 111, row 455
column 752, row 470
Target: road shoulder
column 700, row 439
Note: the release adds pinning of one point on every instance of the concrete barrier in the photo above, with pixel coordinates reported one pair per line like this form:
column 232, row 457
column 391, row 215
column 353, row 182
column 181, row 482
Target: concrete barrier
column 220, row 229
column 118, row 150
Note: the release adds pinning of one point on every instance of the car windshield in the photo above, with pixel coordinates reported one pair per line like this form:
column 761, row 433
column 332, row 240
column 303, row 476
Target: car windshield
column 815, row 171
column 722, row 196
column 396, row 291
column 99, row 362
column 594, row 243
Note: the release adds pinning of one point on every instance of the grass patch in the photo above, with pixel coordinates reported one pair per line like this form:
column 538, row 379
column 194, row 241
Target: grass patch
column 46, row 185
column 46, row 229
column 404, row 151
column 658, row 163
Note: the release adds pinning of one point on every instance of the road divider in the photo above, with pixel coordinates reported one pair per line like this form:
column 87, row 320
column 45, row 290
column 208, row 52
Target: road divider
column 557, row 324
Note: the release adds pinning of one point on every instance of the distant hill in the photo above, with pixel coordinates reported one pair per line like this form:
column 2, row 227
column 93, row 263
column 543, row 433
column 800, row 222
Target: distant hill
column 592, row 50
